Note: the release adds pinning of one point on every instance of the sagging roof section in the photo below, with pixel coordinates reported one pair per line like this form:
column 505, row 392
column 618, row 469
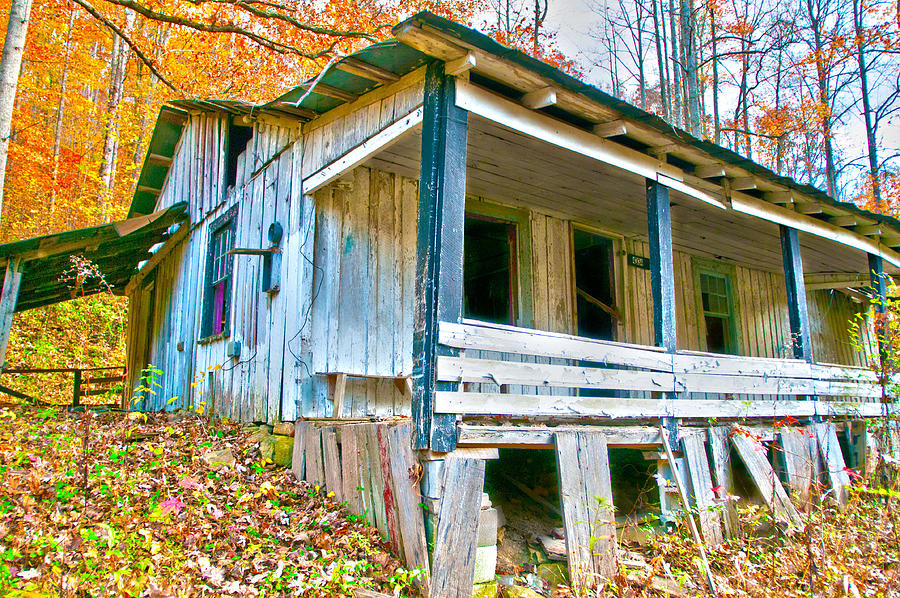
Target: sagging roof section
column 117, row 249
column 426, row 36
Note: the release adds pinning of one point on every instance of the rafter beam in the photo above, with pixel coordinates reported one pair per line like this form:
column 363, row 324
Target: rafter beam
column 330, row 91
column 709, row 171
column 539, row 98
column 612, row 128
column 357, row 67
column 745, row 183
column 462, row 65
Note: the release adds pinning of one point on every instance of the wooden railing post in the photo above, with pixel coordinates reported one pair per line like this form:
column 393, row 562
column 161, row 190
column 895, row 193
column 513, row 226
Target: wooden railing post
column 76, row 389
column 439, row 250
column 801, row 339
column 662, row 270
column 8, row 299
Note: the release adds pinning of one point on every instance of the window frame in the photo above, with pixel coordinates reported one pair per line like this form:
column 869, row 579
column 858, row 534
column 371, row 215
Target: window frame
column 617, row 275
column 519, row 218
column 728, row 273
column 227, row 221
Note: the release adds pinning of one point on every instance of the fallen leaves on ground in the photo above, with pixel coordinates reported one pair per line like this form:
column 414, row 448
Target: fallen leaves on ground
column 140, row 509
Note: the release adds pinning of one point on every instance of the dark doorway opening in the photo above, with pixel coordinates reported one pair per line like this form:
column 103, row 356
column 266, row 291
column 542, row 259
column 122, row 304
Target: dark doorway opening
column 489, row 270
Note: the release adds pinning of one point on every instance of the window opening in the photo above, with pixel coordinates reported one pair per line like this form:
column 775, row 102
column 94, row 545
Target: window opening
column 238, row 138
column 489, row 270
column 596, row 313
column 718, row 312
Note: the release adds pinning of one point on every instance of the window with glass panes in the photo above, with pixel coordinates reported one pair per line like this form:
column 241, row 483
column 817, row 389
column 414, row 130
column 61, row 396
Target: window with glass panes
column 218, row 275
column 718, row 312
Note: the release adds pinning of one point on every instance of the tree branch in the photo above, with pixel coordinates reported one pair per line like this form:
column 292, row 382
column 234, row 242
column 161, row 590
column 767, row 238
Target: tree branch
column 137, row 51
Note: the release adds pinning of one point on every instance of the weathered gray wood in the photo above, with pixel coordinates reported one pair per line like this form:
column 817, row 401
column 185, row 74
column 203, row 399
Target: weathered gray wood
column 332, row 464
column 720, row 454
column 701, row 485
column 474, row 403
column 764, row 477
column 797, row 461
column 337, row 386
column 376, row 479
column 537, row 436
column 315, row 473
column 387, row 489
column 298, row 459
column 453, row 563
column 411, row 520
column 350, row 469
column 833, row 459
column 588, row 512
column 8, row 298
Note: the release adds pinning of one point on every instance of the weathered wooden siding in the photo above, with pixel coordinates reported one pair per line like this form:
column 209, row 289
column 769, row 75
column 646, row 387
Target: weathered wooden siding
column 363, row 290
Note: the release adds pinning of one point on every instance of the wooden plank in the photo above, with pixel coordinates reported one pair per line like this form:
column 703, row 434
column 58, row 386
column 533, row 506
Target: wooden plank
column 753, row 454
column 472, row 435
column 376, row 479
column 662, row 270
column 797, row 462
column 720, row 454
column 9, row 296
column 700, row 483
column 453, row 568
column 298, row 459
column 473, row 403
column 588, row 513
column 465, row 369
column 388, row 493
column 315, row 472
column 411, row 520
column 833, row 460
column 350, row 469
column 332, row 464
column 337, row 386
column 362, row 152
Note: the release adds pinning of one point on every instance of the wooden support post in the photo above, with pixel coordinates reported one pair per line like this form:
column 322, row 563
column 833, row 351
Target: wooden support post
column 879, row 287
column 439, row 250
column 585, row 491
column 456, row 539
column 662, row 270
column 798, row 463
column 700, row 483
column 720, row 454
column 833, row 459
column 765, row 478
column 8, row 299
column 796, row 294
column 337, row 387
column 76, row 389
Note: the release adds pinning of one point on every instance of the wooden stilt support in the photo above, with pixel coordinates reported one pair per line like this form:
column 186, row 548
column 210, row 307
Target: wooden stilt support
column 798, row 463
column 700, row 481
column 720, row 453
column 586, row 495
column 833, row 459
column 753, row 455
column 298, row 459
column 453, row 568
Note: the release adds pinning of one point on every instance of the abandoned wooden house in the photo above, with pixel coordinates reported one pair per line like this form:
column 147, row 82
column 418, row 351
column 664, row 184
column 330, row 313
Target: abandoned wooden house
column 441, row 247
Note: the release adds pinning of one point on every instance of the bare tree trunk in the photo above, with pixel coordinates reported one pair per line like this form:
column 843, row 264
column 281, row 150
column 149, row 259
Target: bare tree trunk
column 717, row 127
column 117, row 63
column 60, row 109
column 692, row 80
column 676, row 67
column 824, row 99
column 10, row 64
column 660, row 60
column 867, row 105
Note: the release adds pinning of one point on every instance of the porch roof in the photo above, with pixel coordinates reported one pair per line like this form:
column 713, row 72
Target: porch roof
column 513, row 74
column 117, row 249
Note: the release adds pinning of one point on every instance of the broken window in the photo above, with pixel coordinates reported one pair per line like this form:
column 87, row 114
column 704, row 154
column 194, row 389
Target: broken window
column 218, row 274
column 596, row 315
column 238, row 138
column 489, row 270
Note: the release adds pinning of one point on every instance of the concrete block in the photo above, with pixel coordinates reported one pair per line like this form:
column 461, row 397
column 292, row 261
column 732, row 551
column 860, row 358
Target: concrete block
column 267, row 448
column 487, row 527
column 485, row 563
column 283, row 429
column 485, row 590
column 284, row 450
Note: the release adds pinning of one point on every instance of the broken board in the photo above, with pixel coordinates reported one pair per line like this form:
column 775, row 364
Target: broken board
column 700, row 483
column 585, row 492
column 833, row 459
column 753, row 454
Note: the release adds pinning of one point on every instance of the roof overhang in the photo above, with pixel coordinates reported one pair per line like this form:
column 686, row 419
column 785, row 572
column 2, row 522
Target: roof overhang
column 48, row 271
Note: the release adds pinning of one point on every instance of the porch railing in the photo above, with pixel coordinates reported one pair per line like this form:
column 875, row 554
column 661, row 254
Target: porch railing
column 86, row 382
column 536, row 373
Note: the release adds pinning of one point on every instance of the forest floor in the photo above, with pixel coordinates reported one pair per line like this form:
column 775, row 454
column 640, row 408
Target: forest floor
column 128, row 504
column 132, row 504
